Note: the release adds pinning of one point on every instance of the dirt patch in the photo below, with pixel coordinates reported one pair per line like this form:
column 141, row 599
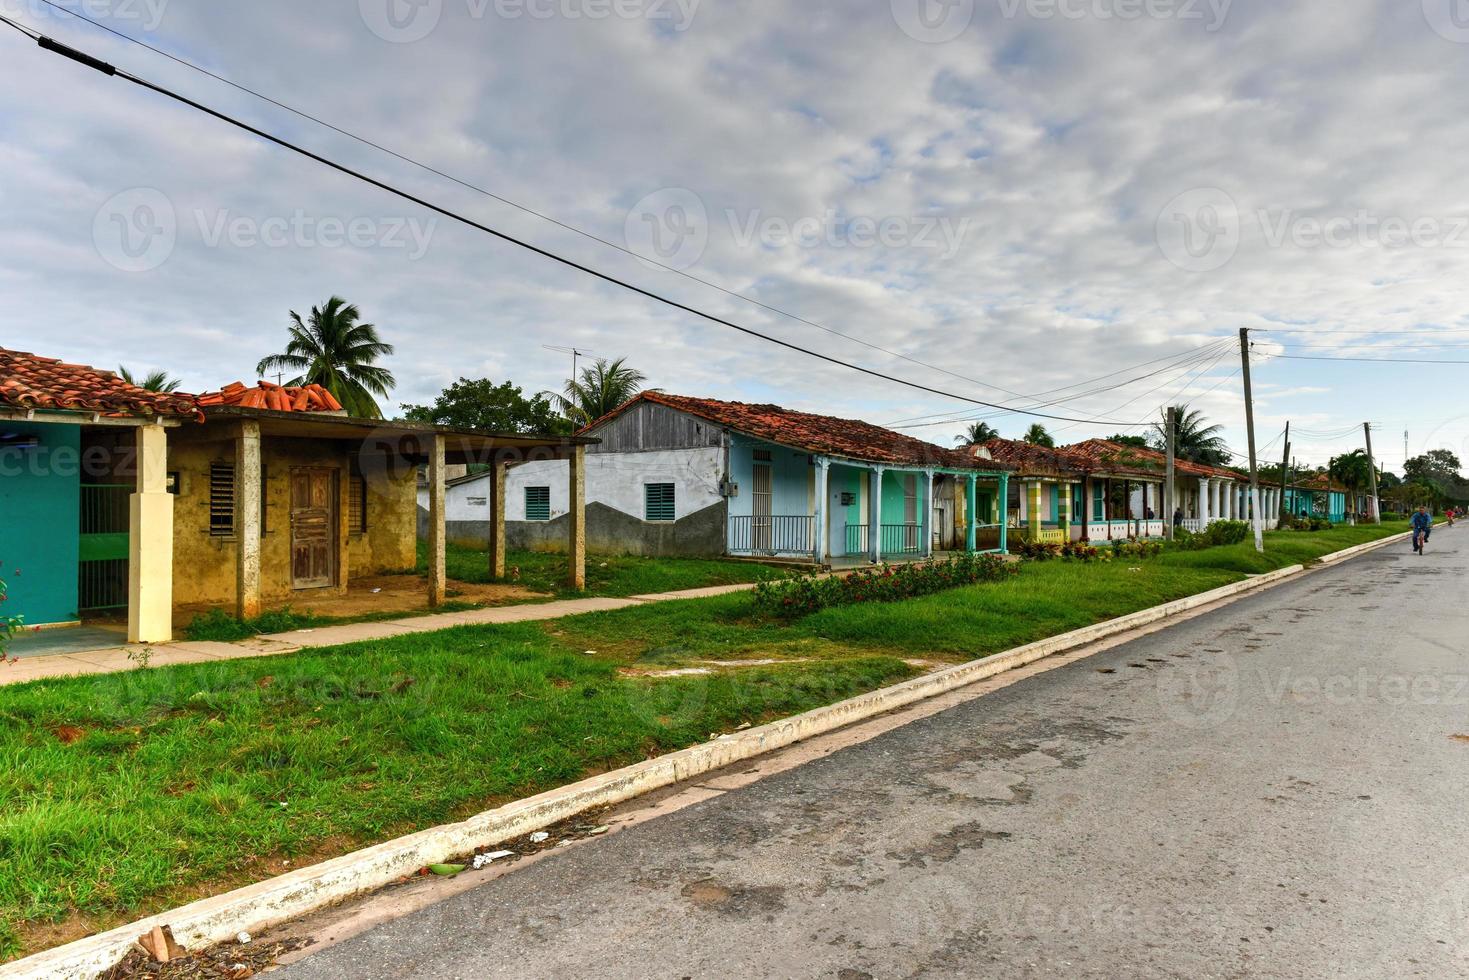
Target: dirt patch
column 381, row 594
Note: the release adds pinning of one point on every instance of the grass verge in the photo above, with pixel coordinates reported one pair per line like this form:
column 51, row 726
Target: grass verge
column 128, row 793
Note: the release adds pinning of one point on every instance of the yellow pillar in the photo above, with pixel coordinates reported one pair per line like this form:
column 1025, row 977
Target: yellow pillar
column 577, row 546
column 247, row 520
column 150, row 542
column 437, row 534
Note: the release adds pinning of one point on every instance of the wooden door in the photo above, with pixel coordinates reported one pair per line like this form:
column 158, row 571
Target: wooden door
column 313, row 528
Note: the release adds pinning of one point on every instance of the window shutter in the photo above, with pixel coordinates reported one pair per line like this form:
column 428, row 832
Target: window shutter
column 658, row 499
column 357, row 505
column 538, row 503
column 221, row 500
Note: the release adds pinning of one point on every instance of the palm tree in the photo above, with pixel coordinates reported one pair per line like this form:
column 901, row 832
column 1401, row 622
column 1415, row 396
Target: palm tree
column 156, row 381
column 977, row 434
column 601, row 388
column 1037, row 435
column 337, row 352
column 1352, row 470
column 1194, row 440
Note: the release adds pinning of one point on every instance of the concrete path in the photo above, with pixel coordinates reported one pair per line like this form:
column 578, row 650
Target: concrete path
column 1279, row 788
column 114, row 658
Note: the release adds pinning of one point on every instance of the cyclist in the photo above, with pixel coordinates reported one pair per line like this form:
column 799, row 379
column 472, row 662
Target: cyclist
column 1422, row 528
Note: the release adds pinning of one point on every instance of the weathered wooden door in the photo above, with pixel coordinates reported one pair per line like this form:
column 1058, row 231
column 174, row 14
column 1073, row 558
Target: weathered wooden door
column 313, row 528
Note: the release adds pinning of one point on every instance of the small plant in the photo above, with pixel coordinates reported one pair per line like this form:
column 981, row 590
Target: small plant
column 141, row 657
column 1136, row 548
column 804, row 595
column 8, row 624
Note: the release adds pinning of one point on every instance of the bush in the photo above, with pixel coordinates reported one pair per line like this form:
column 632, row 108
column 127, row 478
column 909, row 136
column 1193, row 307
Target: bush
column 1134, row 548
column 8, row 624
column 1035, row 550
column 793, row 598
column 1215, row 535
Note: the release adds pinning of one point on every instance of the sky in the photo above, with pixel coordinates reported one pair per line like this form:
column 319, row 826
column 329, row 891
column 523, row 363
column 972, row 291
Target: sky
column 1012, row 201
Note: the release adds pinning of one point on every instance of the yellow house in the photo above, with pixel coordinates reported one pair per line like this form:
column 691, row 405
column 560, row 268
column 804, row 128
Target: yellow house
column 113, row 498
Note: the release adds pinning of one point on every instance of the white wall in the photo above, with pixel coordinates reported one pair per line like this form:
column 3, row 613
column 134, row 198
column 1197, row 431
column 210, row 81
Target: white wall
column 613, row 479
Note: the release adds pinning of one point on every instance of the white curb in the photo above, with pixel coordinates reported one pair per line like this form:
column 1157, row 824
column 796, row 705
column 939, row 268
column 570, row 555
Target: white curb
column 290, row 896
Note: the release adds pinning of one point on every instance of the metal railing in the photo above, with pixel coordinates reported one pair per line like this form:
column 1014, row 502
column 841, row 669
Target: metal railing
column 773, row 535
column 902, row 539
column 857, row 540
column 102, row 560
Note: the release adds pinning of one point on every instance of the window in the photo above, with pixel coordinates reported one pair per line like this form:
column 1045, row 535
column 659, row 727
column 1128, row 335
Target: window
column 221, row 500
column 910, row 498
column 538, row 503
column 357, row 504
column 658, row 502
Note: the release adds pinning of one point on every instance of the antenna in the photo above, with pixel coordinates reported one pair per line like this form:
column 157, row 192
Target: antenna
column 575, row 353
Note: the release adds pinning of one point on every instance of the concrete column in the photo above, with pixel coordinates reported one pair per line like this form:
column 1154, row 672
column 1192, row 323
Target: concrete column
column 821, row 531
column 971, row 501
column 925, row 519
column 150, row 542
column 576, row 550
column 1004, row 505
column 874, row 514
column 497, row 520
column 247, row 520
column 437, row 533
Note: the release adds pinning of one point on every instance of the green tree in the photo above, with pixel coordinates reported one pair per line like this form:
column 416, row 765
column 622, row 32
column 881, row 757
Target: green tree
column 977, row 434
column 156, row 381
column 1037, row 435
column 1195, row 440
column 601, row 388
column 482, row 404
column 1136, row 442
column 332, row 348
column 1434, row 466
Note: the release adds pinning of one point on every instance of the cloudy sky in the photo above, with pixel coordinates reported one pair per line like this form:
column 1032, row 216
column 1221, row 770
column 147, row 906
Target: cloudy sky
column 995, row 198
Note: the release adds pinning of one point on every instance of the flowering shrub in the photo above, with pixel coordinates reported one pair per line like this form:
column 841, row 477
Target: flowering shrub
column 1036, row 550
column 793, row 598
column 8, row 624
column 1070, row 551
column 1133, row 548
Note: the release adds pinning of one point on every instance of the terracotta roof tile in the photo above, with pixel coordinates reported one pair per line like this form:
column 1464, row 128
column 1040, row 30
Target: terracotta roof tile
column 31, row 381
column 275, row 398
column 1096, row 456
column 822, row 434
column 1028, row 457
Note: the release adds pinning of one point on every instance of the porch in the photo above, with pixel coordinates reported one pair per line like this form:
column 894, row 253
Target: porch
column 805, row 506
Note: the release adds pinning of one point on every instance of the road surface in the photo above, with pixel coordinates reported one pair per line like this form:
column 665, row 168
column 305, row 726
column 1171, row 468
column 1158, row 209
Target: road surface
column 1277, row 788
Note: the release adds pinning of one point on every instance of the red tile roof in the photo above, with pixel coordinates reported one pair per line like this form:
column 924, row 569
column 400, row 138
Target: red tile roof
column 1028, row 457
column 822, row 434
column 276, row 398
column 1096, row 456
column 31, row 381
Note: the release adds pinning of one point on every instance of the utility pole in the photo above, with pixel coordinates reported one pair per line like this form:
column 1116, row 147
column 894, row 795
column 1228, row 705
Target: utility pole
column 1372, row 468
column 1285, row 475
column 1244, row 354
column 1169, row 489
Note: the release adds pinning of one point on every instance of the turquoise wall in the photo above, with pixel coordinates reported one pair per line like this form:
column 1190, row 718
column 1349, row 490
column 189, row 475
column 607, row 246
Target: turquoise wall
column 40, row 496
column 791, row 479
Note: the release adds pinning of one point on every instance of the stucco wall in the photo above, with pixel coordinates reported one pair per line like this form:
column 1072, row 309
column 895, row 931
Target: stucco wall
column 204, row 565
column 39, row 522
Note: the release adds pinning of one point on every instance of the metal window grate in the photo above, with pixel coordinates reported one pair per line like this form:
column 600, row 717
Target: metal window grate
column 357, row 505
column 538, row 503
column 658, row 502
column 221, row 499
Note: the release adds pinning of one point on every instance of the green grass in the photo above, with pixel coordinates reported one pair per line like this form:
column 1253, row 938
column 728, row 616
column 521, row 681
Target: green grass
column 220, row 626
column 607, row 575
column 124, row 794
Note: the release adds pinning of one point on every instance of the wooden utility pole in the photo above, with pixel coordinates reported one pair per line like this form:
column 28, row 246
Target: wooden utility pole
column 1169, row 489
column 1285, row 475
column 1372, row 468
column 1244, row 353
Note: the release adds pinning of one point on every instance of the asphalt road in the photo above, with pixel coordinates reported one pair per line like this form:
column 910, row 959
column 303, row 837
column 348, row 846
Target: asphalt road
column 1272, row 789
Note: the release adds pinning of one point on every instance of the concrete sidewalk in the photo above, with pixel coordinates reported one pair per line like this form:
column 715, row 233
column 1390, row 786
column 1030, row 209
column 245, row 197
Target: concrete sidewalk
column 108, row 660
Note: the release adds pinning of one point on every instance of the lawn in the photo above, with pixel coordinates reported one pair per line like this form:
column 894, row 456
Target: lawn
column 128, row 793
column 607, row 575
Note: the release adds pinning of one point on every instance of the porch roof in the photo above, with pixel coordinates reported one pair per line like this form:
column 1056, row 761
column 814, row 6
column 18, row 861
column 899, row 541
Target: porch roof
column 30, row 382
column 410, row 440
column 822, row 435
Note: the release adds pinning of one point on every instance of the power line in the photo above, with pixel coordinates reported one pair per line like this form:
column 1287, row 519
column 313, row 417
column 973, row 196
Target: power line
column 1370, row 360
column 81, row 57
column 521, row 207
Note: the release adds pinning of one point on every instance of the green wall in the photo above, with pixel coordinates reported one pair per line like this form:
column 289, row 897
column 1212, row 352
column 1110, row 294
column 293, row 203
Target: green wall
column 40, row 493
